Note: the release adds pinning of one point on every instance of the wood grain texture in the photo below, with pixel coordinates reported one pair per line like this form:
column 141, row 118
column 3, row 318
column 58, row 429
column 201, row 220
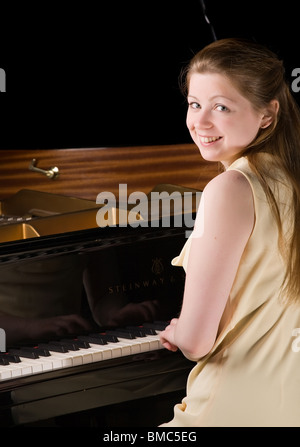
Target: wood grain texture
column 86, row 172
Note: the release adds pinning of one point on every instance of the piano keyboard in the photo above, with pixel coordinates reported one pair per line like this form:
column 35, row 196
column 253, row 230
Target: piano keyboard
column 81, row 350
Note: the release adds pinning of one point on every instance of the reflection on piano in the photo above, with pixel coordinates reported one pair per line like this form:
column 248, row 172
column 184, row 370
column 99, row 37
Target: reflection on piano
column 55, row 262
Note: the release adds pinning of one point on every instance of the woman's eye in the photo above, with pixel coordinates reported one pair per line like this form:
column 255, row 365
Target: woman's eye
column 194, row 105
column 221, row 108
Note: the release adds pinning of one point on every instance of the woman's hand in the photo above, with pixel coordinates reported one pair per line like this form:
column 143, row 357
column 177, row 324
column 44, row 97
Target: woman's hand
column 167, row 336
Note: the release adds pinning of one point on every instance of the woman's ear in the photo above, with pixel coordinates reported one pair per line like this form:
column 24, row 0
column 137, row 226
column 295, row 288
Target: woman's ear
column 270, row 114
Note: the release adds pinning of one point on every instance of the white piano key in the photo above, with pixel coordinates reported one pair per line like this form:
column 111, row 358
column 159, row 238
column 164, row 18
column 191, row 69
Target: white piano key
column 134, row 345
column 95, row 353
column 107, row 351
column 87, row 356
column 155, row 343
column 73, row 358
column 16, row 369
column 46, row 365
column 52, row 362
column 65, row 359
column 116, row 349
column 76, row 358
column 125, row 348
column 5, row 372
column 35, row 365
column 26, row 370
column 142, row 344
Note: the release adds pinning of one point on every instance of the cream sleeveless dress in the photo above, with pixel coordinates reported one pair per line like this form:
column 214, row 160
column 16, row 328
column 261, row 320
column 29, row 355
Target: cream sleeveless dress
column 251, row 376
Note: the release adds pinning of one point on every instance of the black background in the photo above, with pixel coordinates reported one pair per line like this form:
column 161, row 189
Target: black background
column 105, row 73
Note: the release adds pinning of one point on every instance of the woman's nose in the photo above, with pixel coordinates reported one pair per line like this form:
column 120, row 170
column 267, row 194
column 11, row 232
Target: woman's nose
column 200, row 120
column 203, row 120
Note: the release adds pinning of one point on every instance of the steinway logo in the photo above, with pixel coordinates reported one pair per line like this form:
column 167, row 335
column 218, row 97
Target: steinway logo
column 2, row 340
column 157, row 266
column 157, row 281
column 153, row 210
column 2, row 81
column 142, row 284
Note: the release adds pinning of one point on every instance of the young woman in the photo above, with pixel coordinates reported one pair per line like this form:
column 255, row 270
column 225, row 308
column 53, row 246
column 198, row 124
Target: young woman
column 240, row 316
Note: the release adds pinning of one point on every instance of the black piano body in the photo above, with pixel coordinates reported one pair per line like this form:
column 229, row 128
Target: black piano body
column 117, row 276
column 128, row 271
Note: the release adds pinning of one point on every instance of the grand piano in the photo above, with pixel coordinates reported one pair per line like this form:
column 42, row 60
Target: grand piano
column 62, row 255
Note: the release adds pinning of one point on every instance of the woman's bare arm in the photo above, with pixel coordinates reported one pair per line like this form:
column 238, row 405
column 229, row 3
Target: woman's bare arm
column 223, row 226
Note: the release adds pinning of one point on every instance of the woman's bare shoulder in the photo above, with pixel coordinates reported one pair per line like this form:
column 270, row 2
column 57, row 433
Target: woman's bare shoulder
column 230, row 180
column 228, row 198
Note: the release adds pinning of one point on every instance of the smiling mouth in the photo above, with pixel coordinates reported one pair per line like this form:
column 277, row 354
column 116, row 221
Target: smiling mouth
column 209, row 139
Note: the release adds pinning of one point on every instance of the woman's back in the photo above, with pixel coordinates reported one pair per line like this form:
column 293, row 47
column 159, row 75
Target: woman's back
column 250, row 377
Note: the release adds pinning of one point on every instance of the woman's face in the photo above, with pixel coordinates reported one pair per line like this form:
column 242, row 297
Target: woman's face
column 221, row 121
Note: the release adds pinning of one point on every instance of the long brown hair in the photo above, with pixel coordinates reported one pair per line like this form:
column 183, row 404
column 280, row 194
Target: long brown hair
column 259, row 75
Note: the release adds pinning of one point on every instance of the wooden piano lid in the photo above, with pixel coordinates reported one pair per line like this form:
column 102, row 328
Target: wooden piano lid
column 85, row 172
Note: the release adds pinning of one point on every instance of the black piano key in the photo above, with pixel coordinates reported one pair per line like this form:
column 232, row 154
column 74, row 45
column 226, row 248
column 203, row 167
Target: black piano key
column 79, row 342
column 69, row 345
column 24, row 353
column 38, row 350
column 149, row 331
column 122, row 333
column 53, row 347
column 94, row 340
column 4, row 361
column 140, row 331
column 157, row 325
column 12, row 358
column 108, row 338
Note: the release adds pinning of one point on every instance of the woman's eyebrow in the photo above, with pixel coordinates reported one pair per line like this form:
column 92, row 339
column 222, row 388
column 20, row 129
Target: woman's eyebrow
column 221, row 96
column 213, row 97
